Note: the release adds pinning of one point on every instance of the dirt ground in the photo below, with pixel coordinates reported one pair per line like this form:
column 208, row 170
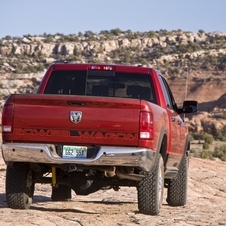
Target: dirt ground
column 206, row 204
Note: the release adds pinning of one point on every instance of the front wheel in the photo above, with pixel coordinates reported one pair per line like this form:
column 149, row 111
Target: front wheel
column 150, row 189
column 177, row 187
column 19, row 186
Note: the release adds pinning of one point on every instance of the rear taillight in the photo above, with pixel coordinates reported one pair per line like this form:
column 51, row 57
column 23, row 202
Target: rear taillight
column 146, row 125
column 7, row 118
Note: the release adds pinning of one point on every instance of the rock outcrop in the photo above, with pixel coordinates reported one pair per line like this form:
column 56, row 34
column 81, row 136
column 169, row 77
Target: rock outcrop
column 193, row 63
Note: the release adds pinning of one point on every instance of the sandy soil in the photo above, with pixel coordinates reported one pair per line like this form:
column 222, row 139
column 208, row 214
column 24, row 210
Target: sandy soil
column 206, row 204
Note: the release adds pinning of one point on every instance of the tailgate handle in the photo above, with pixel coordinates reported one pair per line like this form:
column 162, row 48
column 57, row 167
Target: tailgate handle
column 75, row 103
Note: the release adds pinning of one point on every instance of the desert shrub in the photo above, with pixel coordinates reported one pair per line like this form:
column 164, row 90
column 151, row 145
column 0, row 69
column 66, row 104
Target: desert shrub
column 205, row 146
column 197, row 136
column 208, row 138
column 40, row 67
column 151, row 34
column 115, row 32
column 8, row 37
column 173, row 71
column 192, row 151
column 189, row 48
column 191, row 138
column 75, row 58
column 71, row 38
column 221, row 134
column 100, row 50
column 48, row 39
column 163, row 32
column 220, row 152
column 200, row 31
column 104, row 32
column 206, row 154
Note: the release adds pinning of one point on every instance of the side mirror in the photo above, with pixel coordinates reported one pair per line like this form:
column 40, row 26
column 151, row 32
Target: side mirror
column 189, row 106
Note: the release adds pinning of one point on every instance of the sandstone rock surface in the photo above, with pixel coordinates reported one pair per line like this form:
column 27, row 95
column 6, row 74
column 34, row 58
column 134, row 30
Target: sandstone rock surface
column 206, row 204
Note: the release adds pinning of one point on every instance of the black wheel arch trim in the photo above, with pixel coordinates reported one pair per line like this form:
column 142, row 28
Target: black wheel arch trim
column 163, row 133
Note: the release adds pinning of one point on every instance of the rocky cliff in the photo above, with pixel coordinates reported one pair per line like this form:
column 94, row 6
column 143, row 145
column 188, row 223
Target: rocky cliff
column 193, row 63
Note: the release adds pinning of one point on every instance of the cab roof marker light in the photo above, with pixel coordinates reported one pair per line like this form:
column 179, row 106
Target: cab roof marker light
column 101, row 67
column 108, row 68
column 94, row 67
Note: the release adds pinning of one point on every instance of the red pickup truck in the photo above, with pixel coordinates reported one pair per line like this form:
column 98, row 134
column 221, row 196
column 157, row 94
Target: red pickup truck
column 92, row 127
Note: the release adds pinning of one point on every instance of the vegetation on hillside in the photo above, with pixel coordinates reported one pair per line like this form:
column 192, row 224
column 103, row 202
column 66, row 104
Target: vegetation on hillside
column 173, row 44
column 206, row 140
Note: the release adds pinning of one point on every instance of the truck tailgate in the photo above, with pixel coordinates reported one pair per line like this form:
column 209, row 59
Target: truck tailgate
column 75, row 120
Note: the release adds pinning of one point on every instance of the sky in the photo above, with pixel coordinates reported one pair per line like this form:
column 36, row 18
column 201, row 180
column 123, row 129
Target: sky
column 23, row 17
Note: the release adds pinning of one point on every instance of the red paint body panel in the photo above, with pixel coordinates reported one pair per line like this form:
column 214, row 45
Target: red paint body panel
column 51, row 113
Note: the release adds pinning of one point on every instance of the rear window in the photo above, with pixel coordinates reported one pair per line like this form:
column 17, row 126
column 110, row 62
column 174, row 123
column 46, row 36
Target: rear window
column 101, row 83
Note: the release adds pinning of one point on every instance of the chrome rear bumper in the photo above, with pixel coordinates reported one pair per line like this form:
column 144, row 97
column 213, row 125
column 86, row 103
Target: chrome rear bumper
column 107, row 156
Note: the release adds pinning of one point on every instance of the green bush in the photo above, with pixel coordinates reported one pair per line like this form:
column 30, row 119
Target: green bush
column 191, row 138
column 173, row 71
column 208, row 138
column 220, row 152
column 151, row 34
column 189, row 48
column 48, row 39
column 221, row 134
column 205, row 146
column 192, row 151
column 206, row 154
column 201, row 31
column 115, row 32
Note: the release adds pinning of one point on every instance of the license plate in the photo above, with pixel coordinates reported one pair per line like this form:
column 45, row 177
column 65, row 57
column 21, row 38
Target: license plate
column 74, row 152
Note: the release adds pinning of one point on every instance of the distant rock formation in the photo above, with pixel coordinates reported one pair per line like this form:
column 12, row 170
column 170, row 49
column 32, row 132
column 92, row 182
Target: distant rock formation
column 195, row 60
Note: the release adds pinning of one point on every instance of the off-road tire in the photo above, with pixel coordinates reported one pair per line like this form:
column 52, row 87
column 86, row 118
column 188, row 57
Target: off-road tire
column 61, row 193
column 177, row 187
column 150, row 189
column 19, row 186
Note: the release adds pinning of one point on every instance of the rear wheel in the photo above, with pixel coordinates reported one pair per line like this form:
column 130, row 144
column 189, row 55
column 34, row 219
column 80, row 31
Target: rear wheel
column 19, row 186
column 177, row 187
column 61, row 193
column 150, row 190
